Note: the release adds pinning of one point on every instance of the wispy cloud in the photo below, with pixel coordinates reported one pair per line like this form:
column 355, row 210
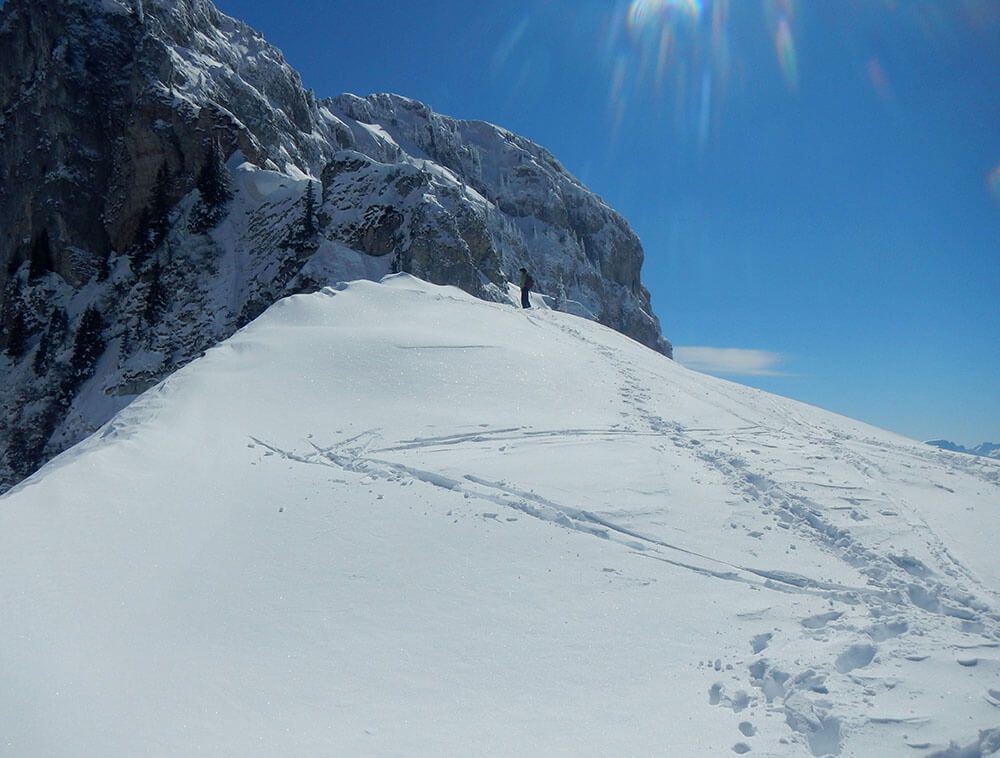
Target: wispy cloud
column 730, row 361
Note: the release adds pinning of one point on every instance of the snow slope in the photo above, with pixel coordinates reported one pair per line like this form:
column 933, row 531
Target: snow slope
column 391, row 519
column 113, row 109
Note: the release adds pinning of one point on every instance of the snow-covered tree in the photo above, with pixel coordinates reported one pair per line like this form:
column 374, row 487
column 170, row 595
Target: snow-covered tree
column 308, row 228
column 214, row 191
column 87, row 345
column 156, row 295
column 51, row 341
column 16, row 331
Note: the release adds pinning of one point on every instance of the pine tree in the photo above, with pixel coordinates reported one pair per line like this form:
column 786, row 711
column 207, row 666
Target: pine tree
column 17, row 332
column 41, row 260
column 308, row 229
column 14, row 264
column 142, row 246
column 51, row 342
column 215, row 192
column 156, row 295
column 160, row 210
column 20, row 456
column 154, row 221
column 87, row 346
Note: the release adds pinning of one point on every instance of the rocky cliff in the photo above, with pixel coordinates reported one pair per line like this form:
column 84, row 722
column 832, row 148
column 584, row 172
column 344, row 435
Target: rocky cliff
column 165, row 176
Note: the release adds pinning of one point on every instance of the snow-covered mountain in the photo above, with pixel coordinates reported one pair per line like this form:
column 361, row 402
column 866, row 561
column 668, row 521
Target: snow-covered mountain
column 165, row 177
column 396, row 519
column 986, row 449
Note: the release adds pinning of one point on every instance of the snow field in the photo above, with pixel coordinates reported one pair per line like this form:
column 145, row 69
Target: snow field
column 391, row 519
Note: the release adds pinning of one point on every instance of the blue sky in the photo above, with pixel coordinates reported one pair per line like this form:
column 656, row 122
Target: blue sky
column 811, row 179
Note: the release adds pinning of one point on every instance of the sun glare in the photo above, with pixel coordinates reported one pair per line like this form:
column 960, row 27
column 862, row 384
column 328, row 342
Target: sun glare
column 646, row 15
column 686, row 54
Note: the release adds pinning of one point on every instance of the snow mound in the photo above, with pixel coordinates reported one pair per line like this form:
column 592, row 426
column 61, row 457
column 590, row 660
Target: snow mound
column 395, row 519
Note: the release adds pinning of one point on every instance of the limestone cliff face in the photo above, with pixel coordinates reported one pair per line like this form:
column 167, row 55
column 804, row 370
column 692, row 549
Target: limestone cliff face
column 117, row 118
column 534, row 211
column 99, row 95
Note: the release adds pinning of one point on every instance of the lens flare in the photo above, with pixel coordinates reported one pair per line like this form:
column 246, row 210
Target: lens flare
column 784, row 43
column 643, row 14
column 671, row 46
column 879, row 80
column 780, row 15
column 688, row 56
column 663, row 55
column 994, row 181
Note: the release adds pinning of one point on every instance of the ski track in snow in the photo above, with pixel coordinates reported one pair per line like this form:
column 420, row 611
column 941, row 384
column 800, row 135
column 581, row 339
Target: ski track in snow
column 900, row 587
column 873, row 620
column 853, row 604
column 904, row 581
column 903, row 588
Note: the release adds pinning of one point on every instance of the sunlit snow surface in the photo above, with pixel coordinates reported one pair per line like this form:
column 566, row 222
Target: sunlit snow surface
column 396, row 520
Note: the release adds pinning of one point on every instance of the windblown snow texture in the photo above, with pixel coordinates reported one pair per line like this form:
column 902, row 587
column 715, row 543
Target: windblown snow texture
column 396, row 519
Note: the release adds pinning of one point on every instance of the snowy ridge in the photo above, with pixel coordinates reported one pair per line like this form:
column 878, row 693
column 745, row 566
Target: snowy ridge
column 99, row 208
column 396, row 518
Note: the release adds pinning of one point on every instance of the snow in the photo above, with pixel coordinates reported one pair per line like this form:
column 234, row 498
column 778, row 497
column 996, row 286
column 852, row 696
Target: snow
column 453, row 201
column 391, row 519
column 260, row 184
column 378, row 133
column 334, row 261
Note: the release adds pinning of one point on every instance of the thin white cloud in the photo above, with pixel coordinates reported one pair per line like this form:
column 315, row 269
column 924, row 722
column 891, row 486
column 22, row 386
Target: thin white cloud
column 730, row 361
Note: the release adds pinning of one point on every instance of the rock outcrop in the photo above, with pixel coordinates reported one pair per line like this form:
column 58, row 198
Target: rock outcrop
column 165, row 177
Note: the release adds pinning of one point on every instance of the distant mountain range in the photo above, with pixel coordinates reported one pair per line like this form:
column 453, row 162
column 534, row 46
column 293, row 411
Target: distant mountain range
column 987, row 449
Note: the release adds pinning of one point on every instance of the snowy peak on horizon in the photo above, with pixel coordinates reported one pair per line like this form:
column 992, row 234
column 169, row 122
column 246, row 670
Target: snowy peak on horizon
column 986, row 449
column 167, row 177
column 395, row 518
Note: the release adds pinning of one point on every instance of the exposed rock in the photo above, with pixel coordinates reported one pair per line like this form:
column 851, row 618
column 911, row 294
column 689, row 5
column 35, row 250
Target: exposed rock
column 112, row 110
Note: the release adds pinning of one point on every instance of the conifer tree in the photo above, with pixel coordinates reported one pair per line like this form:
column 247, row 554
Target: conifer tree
column 19, row 456
column 154, row 221
column 215, row 192
column 156, row 295
column 51, row 341
column 308, row 229
column 42, row 260
column 141, row 248
column 17, row 332
column 87, row 346
column 160, row 210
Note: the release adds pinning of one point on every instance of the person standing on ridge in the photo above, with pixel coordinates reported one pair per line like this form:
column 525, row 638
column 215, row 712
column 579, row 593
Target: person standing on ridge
column 526, row 284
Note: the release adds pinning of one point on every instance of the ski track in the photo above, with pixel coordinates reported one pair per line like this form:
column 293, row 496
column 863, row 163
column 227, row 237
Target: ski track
column 907, row 581
column 876, row 620
column 899, row 588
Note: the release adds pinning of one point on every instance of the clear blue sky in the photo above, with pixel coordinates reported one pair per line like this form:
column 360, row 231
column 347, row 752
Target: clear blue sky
column 811, row 179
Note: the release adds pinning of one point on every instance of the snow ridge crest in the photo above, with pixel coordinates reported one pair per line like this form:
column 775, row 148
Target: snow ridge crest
column 166, row 170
